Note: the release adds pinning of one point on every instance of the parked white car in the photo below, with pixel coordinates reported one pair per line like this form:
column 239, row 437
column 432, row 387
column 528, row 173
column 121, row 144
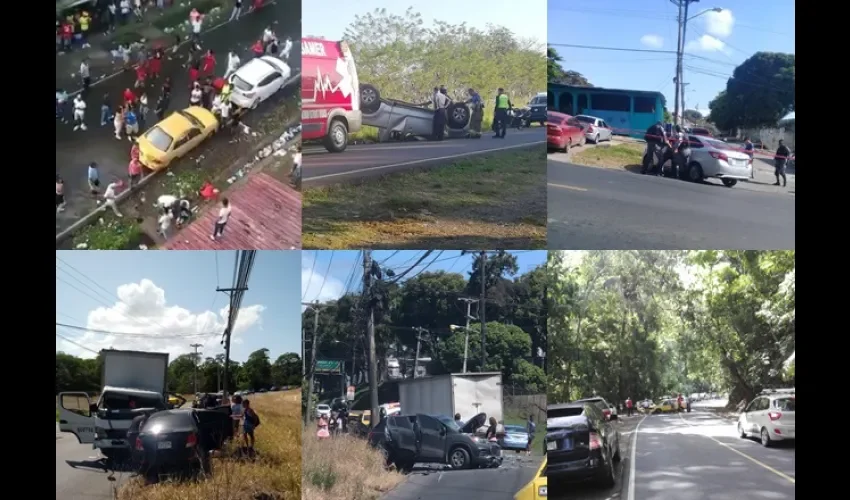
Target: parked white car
column 771, row 416
column 597, row 130
column 259, row 79
column 712, row 157
column 323, row 409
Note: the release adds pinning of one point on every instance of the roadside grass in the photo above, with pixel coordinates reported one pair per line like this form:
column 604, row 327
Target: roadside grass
column 622, row 156
column 488, row 201
column 343, row 467
column 274, row 475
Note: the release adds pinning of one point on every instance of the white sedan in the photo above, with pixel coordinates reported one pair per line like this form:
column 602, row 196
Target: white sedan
column 259, row 79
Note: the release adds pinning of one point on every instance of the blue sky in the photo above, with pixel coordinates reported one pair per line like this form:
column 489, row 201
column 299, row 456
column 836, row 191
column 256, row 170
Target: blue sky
column 727, row 39
column 168, row 301
column 329, row 19
column 327, row 279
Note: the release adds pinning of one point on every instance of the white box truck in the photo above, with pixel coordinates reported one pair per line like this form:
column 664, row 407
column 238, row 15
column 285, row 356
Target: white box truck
column 132, row 382
column 466, row 393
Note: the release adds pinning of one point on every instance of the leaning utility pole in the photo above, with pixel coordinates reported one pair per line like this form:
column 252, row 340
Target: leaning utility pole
column 313, row 347
column 370, row 331
column 469, row 303
column 682, row 53
column 195, row 374
column 419, row 331
column 679, row 49
column 482, row 308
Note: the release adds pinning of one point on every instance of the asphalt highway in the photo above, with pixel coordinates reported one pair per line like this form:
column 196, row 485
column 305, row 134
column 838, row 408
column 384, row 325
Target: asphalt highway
column 358, row 161
column 473, row 484
column 604, row 209
column 80, row 474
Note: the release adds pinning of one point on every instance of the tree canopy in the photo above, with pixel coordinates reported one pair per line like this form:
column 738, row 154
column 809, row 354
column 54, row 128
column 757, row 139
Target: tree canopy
column 555, row 73
column 515, row 315
column 759, row 93
column 81, row 374
column 406, row 60
column 641, row 324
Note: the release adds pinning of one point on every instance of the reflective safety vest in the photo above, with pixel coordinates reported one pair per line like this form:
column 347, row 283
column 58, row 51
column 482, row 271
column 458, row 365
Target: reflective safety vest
column 502, row 101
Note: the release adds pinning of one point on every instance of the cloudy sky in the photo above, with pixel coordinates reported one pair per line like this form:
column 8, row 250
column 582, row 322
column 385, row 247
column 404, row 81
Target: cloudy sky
column 327, row 274
column 165, row 301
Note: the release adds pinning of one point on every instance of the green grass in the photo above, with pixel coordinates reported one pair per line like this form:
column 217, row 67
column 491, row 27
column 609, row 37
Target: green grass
column 109, row 233
column 488, row 201
column 611, row 156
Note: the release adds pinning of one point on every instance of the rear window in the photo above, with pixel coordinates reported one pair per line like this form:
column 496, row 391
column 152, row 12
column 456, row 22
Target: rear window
column 586, row 119
column 159, row 138
column 171, row 419
column 574, row 122
column 570, row 411
column 785, row 404
column 241, row 84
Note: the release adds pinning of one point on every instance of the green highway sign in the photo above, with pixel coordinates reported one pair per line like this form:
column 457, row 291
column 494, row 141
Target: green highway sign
column 327, row 366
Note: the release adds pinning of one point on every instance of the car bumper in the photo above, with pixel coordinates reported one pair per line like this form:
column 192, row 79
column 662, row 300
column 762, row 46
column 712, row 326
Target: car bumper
column 514, row 445
column 577, row 470
column 724, row 170
column 782, row 432
column 241, row 101
column 488, row 455
column 556, row 142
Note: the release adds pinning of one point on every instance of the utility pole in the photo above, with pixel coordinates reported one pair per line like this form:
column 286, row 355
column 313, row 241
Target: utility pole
column 308, row 414
column 469, row 303
column 244, row 263
column 679, row 49
column 195, row 375
column 482, row 308
column 370, row 331
column 419, row 331
column 682, row 52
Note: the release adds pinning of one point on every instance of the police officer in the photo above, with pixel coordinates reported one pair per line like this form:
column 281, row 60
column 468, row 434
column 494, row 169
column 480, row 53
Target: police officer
column 500, row 114
column 656, row 147
column 477, row 106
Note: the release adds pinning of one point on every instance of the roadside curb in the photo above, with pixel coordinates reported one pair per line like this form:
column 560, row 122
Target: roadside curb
column 91, row 216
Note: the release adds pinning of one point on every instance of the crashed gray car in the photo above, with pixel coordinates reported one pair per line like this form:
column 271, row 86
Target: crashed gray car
column 397, row 119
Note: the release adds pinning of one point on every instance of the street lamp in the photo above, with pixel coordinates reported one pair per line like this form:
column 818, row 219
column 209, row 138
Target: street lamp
column 706, row 11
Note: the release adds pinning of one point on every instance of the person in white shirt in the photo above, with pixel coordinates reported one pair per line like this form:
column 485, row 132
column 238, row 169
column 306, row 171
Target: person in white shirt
column 165, row 201
column 296, row 165
column 223, row 217
column 109, row 197
column 232, row 64
column 85, row 75
column 287, row 47
column 165, row 223
column 196, row 95
column 236, row 413
column 79, row 113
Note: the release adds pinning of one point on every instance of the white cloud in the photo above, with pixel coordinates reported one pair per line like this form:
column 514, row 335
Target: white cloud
column 719, row 24
column 143, row 309
column 653, row 41
column 314, row 285
column 706, row 43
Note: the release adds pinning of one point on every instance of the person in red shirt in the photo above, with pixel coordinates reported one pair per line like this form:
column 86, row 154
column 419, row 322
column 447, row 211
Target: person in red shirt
column 134, row 170
column 129, row 97
column 258, row 49
column 135, row 152
column 209, row 63
column 141, row 75
column 67, row 35
column 155, row 64
column 629, row 406
column 257, row 4
column 194, row 72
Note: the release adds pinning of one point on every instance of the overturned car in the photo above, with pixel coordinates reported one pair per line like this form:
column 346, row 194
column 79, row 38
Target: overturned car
column 399, row 120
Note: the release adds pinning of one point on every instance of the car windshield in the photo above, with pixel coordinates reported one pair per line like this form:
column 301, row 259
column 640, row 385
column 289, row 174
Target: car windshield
column 159, row 138
column 570, row 411
column 786, row 404
column 448, row 422
column 241, row 84
column 586, row 119
column 323, row 407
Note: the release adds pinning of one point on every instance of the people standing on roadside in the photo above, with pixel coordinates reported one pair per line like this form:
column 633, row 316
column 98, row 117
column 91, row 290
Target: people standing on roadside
column 249, row 423
column 144, row 109
column 197, row 21
column 118, row 121
column 134, row 171
column 105, row 111
column 236, row 413
column 322, row 431
column 85, row 75
column 750, row 150
column 79, row 113
column 207, row 93
column 166, row 87
column 780, row 161
column 124, row 9
column 67, row 35
column 258, row 48
column 500, row 113
column 194, row 72
column 287, row 48
column 196, row 95
column 161, row 106
column 629, row 406
column 268, row 37
column 131, row 124
column 155, row 64
column 110, row 195
column 129, row 97
column 440, row 102
column 209, row 61
column 93, row 177
column 85, row 24
column 223, row 218
column 112, row 15
column 237, row 9
column 530, row 428
column 232, row 64
column 458, row 421
column 477, row 105
column 165, row 219
column 61, row 102
column 60, row 194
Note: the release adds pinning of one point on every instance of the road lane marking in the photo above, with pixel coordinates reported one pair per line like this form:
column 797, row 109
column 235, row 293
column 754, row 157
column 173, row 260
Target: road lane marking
column 632, row 454
column 418, row 162
column 565, row 186
column 751, row 459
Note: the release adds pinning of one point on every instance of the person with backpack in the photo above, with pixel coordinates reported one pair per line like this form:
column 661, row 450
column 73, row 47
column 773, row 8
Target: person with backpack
column 250, row 422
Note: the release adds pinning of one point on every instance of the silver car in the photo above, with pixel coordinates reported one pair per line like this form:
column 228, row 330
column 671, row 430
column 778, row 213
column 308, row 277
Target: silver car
column 712, row 157
column 597, row 130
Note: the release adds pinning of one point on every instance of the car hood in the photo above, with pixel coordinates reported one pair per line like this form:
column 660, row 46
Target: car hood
column 474, row 423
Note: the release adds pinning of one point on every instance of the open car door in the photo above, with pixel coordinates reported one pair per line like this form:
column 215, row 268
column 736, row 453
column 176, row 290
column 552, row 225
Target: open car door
column 402, row 437
column 76, row 415
column 215, row 427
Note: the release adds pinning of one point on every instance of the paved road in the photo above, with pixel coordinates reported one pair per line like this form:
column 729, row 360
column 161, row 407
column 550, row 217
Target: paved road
column 476, row 484
column 321, row 167
column 79, row 474
column 75, row 150
column 596, row 208
column 698, row 456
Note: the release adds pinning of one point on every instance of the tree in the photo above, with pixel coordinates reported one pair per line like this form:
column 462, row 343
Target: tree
column 405, row 60
column 554, row 71
column 759, row 93
column 692, row 115
column 286, row 370
column 258, row 370
column 668, row 118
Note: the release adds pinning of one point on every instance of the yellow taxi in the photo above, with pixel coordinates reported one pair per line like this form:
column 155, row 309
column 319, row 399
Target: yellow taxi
column 667, row 406
column 536, row 488
column 176, row 135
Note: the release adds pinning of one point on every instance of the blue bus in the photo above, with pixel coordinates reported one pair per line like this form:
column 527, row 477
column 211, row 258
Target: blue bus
column 628, row 112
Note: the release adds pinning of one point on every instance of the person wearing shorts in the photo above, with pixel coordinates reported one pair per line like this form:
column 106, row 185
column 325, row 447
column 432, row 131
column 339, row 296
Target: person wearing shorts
column 530, row 427
column 248, row 424
column 60, row 194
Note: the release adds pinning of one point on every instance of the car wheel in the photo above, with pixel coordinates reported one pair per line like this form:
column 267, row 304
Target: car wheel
column 337, row 138
column 695, row 172
column 370, row 98
column 458, row 115
column 765, row 438
column 459, row 458
column 741, row 431
column 596, row 139
column 729, row 182
column 617, row 456
column 404, row 467
column 608, row 480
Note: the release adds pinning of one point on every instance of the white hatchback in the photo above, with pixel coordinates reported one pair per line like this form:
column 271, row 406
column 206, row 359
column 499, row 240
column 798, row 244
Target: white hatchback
column 259, row 79
column 771, row 416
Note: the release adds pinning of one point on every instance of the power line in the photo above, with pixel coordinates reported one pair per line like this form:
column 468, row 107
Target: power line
column 134, row 334
column 310, row 279
column 66, row 339
column 403, row 273
column 427, row 265
column 613, row 49
column 325, row 277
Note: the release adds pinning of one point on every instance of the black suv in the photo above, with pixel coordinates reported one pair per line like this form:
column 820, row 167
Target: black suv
column 581, row 443
column 537, row 105
column 412, row 439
